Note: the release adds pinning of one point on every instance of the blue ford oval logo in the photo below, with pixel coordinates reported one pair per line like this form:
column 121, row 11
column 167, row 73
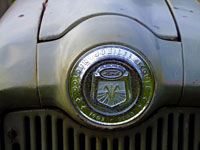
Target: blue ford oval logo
column 111, row 73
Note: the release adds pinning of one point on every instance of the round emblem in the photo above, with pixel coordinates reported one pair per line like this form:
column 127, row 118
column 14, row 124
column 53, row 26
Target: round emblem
column 111, row 85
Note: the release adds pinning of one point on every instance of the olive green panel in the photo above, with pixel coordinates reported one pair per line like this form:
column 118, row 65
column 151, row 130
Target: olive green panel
column 56, row 57
column 187, row 15
column 18, row 39
column 61, row 16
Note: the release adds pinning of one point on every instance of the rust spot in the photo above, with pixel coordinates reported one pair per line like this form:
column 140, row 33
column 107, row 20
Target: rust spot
column 21, row 16
column 136, row 20
column 191, row 11
column 195, row 81
column 44, row 5
column 12, row 134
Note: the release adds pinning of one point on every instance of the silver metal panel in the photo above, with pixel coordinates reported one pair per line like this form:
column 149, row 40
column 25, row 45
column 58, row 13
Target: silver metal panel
column 18, row 30
column 187, row 15
column 61, row 16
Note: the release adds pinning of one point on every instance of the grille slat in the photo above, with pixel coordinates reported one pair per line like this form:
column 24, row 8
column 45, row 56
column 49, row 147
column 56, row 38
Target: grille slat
column 98, row 143
column 174, row 129
column 48, row 132
column 27, row 133
column 121, row 143
column 164, row 133
column 87, row 143
column 154, row 135
column 185, row 131
column 65, row 136
column 143, row 141
column 110, row 144
column 33, row 133
column 54, row 134
column 131, row 139
column 76, row 140
column 44, row 132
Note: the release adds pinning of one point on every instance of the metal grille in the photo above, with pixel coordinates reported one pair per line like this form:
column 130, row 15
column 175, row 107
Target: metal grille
column 168, row 129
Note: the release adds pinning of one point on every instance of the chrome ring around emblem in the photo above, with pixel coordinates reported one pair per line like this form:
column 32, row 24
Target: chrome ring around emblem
column 111, row 85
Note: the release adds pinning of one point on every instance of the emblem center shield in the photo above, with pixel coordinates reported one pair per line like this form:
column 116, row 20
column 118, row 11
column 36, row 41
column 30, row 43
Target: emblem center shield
column 110, row 85
column 111, row 93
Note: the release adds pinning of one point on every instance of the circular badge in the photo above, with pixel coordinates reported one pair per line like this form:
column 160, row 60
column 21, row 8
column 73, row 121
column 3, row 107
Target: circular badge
column 111, row 85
